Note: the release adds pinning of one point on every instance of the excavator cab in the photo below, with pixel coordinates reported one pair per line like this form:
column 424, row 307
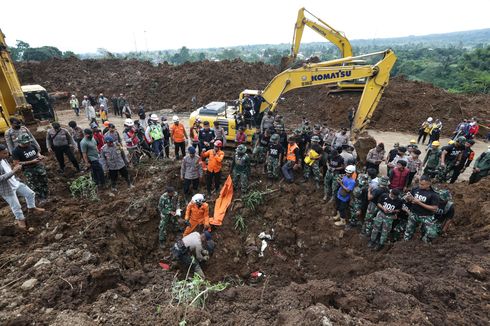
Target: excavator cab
column 39, row 100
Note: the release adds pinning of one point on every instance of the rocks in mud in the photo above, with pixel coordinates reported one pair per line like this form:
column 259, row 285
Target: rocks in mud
column 71, row 253
column 58, row 236
column 477, row 272
column 42, row 262
column 29, row 284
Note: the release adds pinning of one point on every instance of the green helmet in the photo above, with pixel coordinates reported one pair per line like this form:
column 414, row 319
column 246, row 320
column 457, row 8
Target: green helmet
column 315, row 139
column 444, row 195
column 274, row 138
column 241, row 149
column 24, row 139
column 297, row 131
column 384, row 181
column 461, row 140
column 362, row 179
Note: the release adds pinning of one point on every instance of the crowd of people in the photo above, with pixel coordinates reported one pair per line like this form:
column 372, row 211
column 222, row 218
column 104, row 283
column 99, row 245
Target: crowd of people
column 383, row 206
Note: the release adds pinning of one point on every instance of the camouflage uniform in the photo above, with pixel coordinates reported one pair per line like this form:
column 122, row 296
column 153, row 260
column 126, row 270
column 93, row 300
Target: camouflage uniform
column 241, row 171
column 273, row 167
column 330, row 184
column 443, row 172
column 371, row 212
column 429, row 225
column 37, row 179
column 313, row 169
column 431, row 162
column 259, row 153
column 166, row 205
column 400, row 224
column 356, row 203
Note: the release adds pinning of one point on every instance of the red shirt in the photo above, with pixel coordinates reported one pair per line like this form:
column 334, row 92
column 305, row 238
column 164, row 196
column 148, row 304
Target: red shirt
column 399, row 178
column 99, row 139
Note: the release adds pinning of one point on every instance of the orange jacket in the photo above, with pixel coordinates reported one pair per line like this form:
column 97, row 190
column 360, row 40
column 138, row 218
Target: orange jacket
column 177, row 132
column 290, row 154
column 214, row 162
column 197, row 215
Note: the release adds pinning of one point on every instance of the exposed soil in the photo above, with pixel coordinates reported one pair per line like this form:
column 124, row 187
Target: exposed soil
column 97, row 262
column 403, row 107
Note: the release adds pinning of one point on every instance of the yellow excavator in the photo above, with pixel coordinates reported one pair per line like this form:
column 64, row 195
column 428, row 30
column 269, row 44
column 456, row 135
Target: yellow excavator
column 312, row 74
column 325, row 30
column 29, row 103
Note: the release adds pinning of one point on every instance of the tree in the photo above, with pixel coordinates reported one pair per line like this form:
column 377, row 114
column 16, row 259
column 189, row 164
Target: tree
column 42, row 53
column 18, row 51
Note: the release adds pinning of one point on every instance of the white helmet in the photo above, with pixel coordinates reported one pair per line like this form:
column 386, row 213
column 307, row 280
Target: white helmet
column 128, row 122
column 350, row 169
column 198, row 198
column 429, row 119
column 175, row 118
column 154, row 117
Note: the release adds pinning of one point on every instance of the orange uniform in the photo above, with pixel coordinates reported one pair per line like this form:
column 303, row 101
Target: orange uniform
column 177, row 132
column 196, row 216
column 215, row 159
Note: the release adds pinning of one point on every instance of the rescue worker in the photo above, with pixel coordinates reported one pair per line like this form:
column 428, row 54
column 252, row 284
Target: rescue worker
column 15, row 131
column 219, row 133
column 414, row 165
column 400, row 156
column 389, row 205
column 267, row 122
column 240, row 168
column 391, row 156
column 206, row 137
column 178, row 136
column 154, row 135
column 169, row 209
column 61, row 142
column 375, row 156
column 335, row 166
column 191, row 170
column 466, row 158
column 248, row 111
column 372, row 209
column 114, row 161
column 77, row 134
column 312, row 162
column 358, row 201
column 131, row 140
column 481, row 168
column 74, row 104
column 194, row 132
column 215, row 158
column 292, row 160
column 193, row 250
column 424, row 130
column 11, row 189
column 445, row 211
column 341, row 138
column 450, row 155
column 261, row 147
column 33, row 168
column 346, row 185
column 166, row 135
column 196, row 213
column 274, row 157
column 431, row 160
column 90, row 153
column 423, row 203
column 412, row 146
column 121, row 103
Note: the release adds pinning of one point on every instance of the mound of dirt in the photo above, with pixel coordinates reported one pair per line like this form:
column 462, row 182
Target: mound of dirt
column 403, row 107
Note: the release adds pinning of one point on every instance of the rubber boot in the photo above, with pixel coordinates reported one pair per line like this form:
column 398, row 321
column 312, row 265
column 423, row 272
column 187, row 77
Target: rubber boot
column 340, row 223
column 336, row 217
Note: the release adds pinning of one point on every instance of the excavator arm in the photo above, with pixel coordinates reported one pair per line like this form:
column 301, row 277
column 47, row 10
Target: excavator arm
column 322, row 28
column 332, row 72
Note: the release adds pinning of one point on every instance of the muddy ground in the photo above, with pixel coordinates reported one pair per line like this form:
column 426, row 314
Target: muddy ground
column 91, row 263
column 404, row 106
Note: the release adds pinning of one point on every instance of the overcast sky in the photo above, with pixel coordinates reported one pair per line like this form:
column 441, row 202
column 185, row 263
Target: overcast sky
column 120, row 26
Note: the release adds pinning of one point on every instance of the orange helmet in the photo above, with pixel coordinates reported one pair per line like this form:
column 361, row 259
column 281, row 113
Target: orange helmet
column 106, row 123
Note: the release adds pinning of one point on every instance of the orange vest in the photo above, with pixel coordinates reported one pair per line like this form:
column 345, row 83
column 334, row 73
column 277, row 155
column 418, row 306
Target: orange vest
column 177, row 131
column 215, row 161
column 290, row 155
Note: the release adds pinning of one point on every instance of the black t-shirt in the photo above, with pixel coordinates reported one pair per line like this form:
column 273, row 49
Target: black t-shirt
column 24, row 154
column 392, row 154
column 452, row 152
column 440, row 215
column 206, row 135
column 317, row 148
column 264, row 140
column 275, row 150
column 428, row 197
column 389, row 204
column 335, row 162
column 377, row 193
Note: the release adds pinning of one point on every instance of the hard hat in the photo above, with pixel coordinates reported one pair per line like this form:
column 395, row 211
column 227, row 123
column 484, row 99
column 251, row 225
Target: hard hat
column 315, row 139
column 436, row 143
column 102, row 105
column 297, row 131
column 72, row 95
column 128, row 122
column 429, row 119
column 274, row 137
column 218, row 143
column 175, row 118
column 444, row 195
column 198, row 198
column 413, row 141
column 241, row 149
column 106, row 123
column 350, row 169
column 24, row 139
column 108, row 139
column 154, row 117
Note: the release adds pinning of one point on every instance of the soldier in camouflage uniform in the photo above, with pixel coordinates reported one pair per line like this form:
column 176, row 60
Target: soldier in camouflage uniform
column 261, row 146
column 423, row 203
column 450, row 156
column 372, row 209
column 29, row 157
column 312, row 161
column 357, row 201
column 388, row 205
column 431, row 160
column 168, row 206
column 274, row 157
column 240, row 168
column 335, row 167
column 444, row 214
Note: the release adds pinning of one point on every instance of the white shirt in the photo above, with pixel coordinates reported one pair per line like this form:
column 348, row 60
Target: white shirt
column 14, row 183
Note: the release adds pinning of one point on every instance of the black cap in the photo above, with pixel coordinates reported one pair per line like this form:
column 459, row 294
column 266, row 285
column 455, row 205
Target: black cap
column 87, row 131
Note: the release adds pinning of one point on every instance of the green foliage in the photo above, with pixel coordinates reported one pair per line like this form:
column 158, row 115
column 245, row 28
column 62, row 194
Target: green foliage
column 253, row 199
column 41, row 54
column 240, row 223
column 84, row 187
column 194, row 292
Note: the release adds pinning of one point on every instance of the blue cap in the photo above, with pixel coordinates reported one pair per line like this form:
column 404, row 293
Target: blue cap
column 191, row 150
column 108, row 139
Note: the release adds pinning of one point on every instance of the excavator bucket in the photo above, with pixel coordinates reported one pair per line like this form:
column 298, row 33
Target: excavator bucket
column 222, row 203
